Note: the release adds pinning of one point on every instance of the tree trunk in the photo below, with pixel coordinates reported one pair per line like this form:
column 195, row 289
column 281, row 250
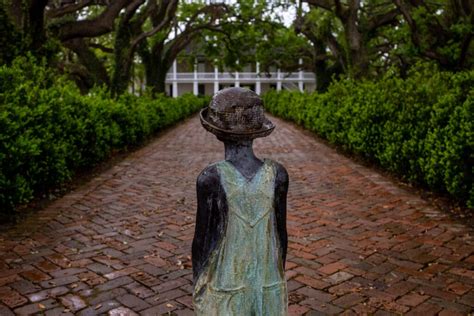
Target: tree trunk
column 155, row 67
column 324, row 74
column 160, row 84
column 80, row 75
column 15, row 13
column 123, row 60
column 357, row 52
column 129, row 28
column 28, row 20
column 156, row 78
column 122, row 74
column 35, row 27
column 323, row 78
column 359, row 62
column 89, row 60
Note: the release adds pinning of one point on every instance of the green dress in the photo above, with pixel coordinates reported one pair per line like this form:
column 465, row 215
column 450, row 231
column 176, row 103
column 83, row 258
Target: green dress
column 244, row 275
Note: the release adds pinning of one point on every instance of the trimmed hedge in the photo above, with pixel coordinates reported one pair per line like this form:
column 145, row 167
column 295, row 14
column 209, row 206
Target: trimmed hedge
column 48, row 130
column 420, row 127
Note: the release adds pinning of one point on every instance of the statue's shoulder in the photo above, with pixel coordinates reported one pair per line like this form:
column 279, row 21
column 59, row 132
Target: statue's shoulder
column 209, row 176
column 280, row 171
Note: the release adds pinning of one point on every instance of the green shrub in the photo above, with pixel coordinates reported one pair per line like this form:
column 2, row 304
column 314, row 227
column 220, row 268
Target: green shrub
column 420, row 127
column 48, row 129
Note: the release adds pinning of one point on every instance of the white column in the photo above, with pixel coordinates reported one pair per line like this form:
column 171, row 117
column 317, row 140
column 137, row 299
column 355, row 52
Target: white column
column 175, row 79
column 300, row 76
column 258, row 88
column 195, row 81
column 237, row 82
column 216, row 79
column 278, row 80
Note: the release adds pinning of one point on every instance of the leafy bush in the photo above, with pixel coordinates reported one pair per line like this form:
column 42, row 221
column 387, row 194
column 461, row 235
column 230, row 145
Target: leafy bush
column 420, row 127
column 48, row 129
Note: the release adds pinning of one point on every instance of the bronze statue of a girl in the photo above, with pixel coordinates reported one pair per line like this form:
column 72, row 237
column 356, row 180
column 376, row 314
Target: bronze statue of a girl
column 240, row 241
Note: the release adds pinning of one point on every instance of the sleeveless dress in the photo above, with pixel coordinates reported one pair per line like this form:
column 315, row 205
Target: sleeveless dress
column 244, row 275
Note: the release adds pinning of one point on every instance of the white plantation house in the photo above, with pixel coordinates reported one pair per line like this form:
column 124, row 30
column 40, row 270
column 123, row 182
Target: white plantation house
column 206, row 79
column 203, row 78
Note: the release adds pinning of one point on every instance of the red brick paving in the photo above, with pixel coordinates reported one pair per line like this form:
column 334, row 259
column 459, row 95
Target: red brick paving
column 358, row 244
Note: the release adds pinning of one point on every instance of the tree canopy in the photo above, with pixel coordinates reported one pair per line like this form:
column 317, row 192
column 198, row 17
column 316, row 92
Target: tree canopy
column 116, row 42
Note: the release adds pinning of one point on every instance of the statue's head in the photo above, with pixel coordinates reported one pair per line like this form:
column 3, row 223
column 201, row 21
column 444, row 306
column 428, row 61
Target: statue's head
column 236, row 114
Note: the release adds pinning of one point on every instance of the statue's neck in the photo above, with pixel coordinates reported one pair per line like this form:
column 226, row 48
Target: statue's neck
column 239, row 151
column 241, row 155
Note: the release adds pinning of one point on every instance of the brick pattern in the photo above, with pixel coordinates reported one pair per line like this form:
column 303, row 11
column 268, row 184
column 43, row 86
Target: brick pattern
column 120, row 245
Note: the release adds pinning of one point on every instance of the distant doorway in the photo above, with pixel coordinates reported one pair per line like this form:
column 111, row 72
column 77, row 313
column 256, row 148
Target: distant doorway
column 201, row 89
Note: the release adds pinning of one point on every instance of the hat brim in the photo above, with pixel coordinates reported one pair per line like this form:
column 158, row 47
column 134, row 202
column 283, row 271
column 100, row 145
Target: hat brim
column 266, row 129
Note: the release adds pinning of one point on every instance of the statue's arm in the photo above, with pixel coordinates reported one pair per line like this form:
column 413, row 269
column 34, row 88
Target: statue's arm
column 281, row 191
column 210, row 218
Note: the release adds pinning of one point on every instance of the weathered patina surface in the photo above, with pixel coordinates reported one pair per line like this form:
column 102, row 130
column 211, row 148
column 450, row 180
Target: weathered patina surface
column 240, row 241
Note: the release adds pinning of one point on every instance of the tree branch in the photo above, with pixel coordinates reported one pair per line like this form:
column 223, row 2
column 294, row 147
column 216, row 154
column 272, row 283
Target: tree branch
column 100, row 25
column 160, row 13
column 170, row 9
column 337, row 51
column 173, row 47
column 102, row 48
column 383, row 19
column 215, row 10
column 131, row 9
column 340, row 12
column 324, row 4
column 89, row 60
column 141, row 16
column 408, row 18
column 71, row 8
column 36, row 23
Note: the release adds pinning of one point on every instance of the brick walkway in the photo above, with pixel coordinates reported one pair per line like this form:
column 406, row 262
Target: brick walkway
column 121, row 243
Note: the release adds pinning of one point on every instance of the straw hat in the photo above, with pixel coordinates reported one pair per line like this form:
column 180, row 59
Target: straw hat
column 236, row 114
